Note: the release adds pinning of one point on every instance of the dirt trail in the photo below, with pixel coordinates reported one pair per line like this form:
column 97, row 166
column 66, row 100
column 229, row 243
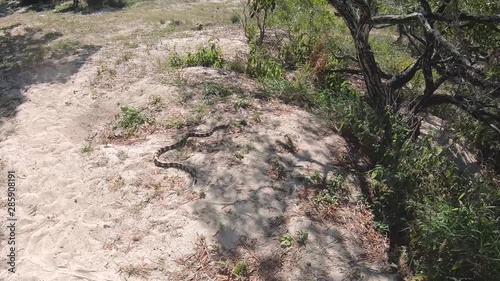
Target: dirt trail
column 112, row 215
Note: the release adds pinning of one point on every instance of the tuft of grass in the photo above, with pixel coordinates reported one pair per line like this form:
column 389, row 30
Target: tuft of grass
column 211, row 89
column 126, row 56
column 64, row 47
column 156, row 100
column 240, row 153
column 221, row 226
column 185, row 97
column 286, row 240
column 176, row 123
column 235, row 19
column 193, row 121
column 240, row 270
column 331, row 192
column 208, row 56
column 256, row 117
column 130, row 119
column 288, row 145
column 205, row 55
column 103, row 69
column 135, row 270
column 200, row 108
column 87, row 148
column 242, row 103
column 175, row 60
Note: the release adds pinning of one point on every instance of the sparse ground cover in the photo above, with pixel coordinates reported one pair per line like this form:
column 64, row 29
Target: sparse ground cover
column 86, row 101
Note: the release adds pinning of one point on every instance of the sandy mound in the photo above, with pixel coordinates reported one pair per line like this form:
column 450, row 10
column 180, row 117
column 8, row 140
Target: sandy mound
column 110, row 214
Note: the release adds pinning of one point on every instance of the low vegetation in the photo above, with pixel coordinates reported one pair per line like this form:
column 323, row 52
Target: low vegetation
column 208, row 56
column 373, row 86
column 443, row 224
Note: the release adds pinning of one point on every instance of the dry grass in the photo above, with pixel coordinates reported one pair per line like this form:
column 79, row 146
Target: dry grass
column 137, row 270
column 152, row 19
column 212, row 263
column 356, row 218
column 115, row 182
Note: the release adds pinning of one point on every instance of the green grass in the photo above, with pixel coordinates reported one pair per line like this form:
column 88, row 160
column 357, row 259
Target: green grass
column 200, row 109
column 156, row 100
column 240, row 269
column 242, row 151
column 87, row 148
column 206, row 55
column 286, row 240
column 391, row 57
column 211, row 89
column 130, row 119
column 145, row 16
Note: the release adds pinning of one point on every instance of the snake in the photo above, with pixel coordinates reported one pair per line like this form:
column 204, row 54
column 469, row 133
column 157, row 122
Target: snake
column 181, row 143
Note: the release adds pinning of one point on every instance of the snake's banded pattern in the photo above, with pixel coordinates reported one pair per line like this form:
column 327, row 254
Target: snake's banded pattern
column 179, row 144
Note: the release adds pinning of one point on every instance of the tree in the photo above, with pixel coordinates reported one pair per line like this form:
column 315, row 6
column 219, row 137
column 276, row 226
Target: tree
column 446, row 39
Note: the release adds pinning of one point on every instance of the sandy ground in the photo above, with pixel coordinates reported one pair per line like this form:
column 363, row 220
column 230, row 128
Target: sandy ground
column 110, row 214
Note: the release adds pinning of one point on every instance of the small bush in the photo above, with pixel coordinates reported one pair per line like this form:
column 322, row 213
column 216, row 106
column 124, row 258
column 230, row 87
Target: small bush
column 240, row 269
column 207, row 56
column 261, row 65
column 286, row 240
column 216, row 90
column 130, row 119
column 210, row 56
column 87, row 148
column 235, row 19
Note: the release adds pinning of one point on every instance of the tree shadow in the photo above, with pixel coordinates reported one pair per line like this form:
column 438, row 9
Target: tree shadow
column 249, row 213
column 9, row 7
column 27, row 58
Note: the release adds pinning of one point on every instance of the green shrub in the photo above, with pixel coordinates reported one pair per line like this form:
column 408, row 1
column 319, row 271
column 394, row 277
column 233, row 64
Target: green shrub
column 208, row 56
column 261, row 65
column 449, row 223
column 452, row 220
column 130, row 119
column 211, row 89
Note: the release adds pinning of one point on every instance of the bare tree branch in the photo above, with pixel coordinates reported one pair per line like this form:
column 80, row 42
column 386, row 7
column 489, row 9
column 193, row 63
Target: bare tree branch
column 402, row 78
column 443, row 6
column 415, row 17
column 462, row 102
